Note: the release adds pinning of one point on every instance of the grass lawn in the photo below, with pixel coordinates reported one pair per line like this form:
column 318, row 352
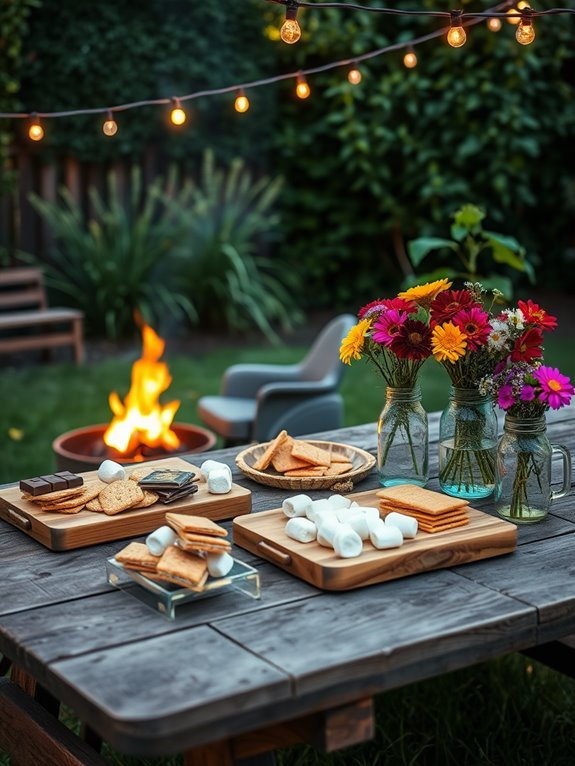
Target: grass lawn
column 508, row 712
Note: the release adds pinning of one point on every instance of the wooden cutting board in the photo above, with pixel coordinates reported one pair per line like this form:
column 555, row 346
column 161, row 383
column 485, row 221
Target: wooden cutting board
column 60, row 531
column 264, row 534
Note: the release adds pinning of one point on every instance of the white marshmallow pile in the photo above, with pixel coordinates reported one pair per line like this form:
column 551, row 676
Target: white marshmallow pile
column 218, row 477
column 343, row 525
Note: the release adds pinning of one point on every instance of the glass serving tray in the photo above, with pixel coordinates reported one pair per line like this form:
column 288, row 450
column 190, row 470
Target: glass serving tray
column 164, row 597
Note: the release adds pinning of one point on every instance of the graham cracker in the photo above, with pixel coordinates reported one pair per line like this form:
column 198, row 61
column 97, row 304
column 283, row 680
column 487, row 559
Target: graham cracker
column 430, row 529
column 139, row 473
column 53, row 497
column 190, row 537
column 335, row 469
column 137, row 556
column 310, row 471
column 94, row 505
column 428, row 518
column 57, row 509
column 120, row 495
column 310, row 453
column 149, row 499
column 339, row 457
column 194, row 547
column 175, row 562
column 88, row 492
column 200, row 525
column 264, row 460
column 283, row 460
column 420, row 499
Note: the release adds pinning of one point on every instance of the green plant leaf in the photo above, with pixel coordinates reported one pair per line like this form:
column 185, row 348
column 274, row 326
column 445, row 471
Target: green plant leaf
column 418, row 249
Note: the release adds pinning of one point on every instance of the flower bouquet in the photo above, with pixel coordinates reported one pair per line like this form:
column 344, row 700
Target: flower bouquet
column 525, row 390
column 394, row 335
column 469, row 340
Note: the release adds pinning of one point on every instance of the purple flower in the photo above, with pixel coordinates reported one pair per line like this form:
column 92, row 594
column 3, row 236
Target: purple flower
column 556, row 389
column 527, row 393
column 505, row 398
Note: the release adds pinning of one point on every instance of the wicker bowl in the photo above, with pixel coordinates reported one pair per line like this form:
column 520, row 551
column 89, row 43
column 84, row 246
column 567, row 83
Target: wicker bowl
column 362, row 463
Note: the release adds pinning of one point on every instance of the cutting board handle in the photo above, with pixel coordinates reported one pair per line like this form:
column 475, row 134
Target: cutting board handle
column 269, row 552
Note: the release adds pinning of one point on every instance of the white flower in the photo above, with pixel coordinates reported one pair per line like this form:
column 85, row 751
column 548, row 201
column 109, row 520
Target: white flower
column 497, row 339
column 499, row 326
column 516, row 318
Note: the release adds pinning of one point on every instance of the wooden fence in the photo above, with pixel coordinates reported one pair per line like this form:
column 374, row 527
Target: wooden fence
column 22, row 228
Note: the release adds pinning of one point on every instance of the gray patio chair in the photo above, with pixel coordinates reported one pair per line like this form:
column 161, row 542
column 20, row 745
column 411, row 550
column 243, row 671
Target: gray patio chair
column 258, row 400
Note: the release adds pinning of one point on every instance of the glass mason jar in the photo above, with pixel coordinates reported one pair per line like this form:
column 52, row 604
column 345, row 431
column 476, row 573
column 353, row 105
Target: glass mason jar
column 402, row 439
column 467, row 444
column 523, row 470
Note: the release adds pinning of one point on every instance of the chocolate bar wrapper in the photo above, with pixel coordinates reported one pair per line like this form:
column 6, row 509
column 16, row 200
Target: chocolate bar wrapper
column 166, row 479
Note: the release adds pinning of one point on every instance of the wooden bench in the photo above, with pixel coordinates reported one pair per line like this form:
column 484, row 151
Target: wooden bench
column 23, row 307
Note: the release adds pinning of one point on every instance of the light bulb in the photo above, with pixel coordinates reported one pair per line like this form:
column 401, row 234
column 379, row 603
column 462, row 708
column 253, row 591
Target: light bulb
column 410, row 60
column 525, row 32
column 354, row 76
column 302, row 88
column 35, row 131
column 521, row 5
column 110, row 126
column 290, row 31
column 494, row 24
column 177, row 115
column 456, row 36
column 242, row 102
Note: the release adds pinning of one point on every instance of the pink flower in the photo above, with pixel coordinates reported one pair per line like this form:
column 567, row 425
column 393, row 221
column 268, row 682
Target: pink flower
column 387, row 326
column 400, row 304
column 370, row 309
column 527, row 393
column 556, row 389
column 381, row 305
column 475, row 324
column 505, row 398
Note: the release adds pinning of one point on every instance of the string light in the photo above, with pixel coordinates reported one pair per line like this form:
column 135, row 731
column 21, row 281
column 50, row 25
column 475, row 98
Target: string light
column 302, row 88
column 242, row 102
column 35, row 131
column 525, row 33
column 290, row 31
column 456, row 36
column 110, row 126
column 410, row 59
column 177, row 115
column 354, row 75
column 494, row 24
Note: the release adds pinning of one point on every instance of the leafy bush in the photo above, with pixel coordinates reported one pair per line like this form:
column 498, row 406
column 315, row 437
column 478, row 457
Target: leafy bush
column 474, row 248
column 228, row 220
column 118, row 261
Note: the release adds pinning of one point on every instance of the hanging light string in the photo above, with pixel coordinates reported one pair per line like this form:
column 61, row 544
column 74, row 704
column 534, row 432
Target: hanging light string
column 465, row 19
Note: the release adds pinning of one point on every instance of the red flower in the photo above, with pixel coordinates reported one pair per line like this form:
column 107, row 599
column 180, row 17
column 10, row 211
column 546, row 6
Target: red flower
column 534, row 314
column 400, row 304
column 372, row 309
column 413, row 341
column 448, row 303
column 528, row 346
column 475, row 324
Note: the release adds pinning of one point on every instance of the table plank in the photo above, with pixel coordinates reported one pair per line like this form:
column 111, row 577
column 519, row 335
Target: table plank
column 338, row 638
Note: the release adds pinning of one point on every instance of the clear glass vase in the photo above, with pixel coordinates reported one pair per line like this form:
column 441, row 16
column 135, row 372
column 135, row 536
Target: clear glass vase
column 467, row 445
column 523, row 470
column 402, row 439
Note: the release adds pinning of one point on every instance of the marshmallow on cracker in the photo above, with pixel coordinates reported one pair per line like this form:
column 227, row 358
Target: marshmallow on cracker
column 219, row 564
column 110, row 471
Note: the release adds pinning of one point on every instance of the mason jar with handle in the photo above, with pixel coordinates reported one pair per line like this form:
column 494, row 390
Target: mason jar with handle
column 523, row 491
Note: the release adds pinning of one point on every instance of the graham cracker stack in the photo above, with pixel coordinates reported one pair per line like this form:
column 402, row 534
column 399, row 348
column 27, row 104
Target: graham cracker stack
column 296, row 457
column 434, row 511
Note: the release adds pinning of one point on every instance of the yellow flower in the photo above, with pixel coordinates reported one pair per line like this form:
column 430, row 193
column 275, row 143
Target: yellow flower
column 424, row 294
column 448, row 342
column 352, row 345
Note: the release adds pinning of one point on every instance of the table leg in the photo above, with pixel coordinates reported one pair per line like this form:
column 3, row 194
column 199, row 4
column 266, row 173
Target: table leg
column 217, row 754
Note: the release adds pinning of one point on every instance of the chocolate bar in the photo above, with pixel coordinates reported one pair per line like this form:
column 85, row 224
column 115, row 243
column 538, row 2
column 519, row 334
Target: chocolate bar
column 171, row 495
column 166, row 479
column 51, row 482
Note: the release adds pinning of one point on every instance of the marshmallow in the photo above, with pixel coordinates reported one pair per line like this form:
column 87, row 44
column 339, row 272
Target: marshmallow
column 219, row 564
column 317, row 505
column 406, row 524
column 382, row 536
column 160, row 539
column 327, row 530
column 323, row 515
column 339, row 501
column 372, row 514
column 219, row 481
column 296, row 505
column 359, row 523
column 210, row 465
column 345, row 514
column 347, row 543
column 110, row 471
column 301, row 529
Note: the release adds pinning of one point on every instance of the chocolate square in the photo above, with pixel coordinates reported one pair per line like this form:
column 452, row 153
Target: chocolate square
column 72, row 479
column 56, row 482
column 170, row 496
column 35, row 486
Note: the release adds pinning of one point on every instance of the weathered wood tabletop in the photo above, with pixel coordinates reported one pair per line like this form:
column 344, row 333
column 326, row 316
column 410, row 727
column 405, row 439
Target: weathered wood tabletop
column 230, row 665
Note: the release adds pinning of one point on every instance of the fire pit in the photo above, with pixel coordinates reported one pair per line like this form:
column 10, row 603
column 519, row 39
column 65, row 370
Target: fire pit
column 83, row 449
column 141, row 428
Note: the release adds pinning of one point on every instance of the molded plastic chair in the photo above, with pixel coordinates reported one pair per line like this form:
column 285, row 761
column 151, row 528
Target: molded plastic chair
column 259, row 400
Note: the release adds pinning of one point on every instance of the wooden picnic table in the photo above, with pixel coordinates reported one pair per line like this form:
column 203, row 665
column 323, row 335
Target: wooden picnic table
column 230, row 676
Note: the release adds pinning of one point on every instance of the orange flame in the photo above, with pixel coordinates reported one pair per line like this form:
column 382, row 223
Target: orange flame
column 140, row 418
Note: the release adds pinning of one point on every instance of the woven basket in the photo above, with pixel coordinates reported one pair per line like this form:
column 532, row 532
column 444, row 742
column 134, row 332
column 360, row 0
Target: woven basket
column 361, row 461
